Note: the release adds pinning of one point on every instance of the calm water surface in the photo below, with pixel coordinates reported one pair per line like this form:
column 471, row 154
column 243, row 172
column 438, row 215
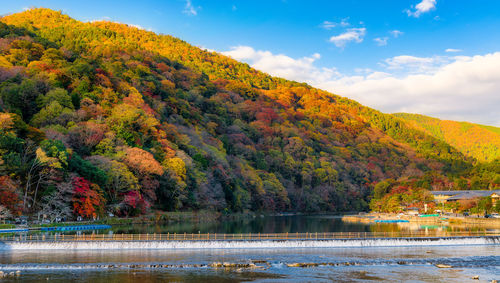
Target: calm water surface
column 283, row 224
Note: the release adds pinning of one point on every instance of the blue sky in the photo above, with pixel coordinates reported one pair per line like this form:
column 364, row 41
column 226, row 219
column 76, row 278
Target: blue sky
column 435, row 57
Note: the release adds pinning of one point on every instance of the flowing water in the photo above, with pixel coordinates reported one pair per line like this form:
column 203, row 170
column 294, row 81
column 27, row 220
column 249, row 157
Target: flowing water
column 309, row 261
column 339, row 264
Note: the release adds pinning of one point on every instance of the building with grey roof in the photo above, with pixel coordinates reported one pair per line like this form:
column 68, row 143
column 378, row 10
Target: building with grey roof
column 448, row 196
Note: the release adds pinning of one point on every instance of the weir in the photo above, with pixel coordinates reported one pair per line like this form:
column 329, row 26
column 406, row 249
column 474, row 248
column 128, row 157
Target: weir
column 97, row 244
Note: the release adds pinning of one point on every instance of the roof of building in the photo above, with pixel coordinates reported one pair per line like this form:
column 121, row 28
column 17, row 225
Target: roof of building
column 457, row 195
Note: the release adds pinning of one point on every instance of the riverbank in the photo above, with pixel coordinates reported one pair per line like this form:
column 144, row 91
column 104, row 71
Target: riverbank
column 157, row 217
column 434, row 220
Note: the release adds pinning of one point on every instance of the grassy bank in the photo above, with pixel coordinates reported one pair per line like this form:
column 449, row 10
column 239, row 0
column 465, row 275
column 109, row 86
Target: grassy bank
column 160, row 217
column 7, row 226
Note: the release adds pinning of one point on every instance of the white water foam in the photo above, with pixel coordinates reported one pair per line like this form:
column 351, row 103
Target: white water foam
column 254, row 244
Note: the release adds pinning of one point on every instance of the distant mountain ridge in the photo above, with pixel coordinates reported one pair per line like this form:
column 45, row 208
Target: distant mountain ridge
column 474, row 140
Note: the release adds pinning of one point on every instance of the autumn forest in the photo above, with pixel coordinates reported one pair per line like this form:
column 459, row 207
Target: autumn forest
column 99, row 117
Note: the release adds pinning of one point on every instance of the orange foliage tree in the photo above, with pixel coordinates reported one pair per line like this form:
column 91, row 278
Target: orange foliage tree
column 142, row 161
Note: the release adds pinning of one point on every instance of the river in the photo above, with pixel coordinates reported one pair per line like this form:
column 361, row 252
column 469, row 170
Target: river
column 365, row 264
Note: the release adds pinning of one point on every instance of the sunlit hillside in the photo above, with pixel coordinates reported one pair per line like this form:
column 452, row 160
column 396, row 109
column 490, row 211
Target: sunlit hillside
column 478, row 141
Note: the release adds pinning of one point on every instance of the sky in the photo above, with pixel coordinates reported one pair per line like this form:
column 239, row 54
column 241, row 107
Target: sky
column 434, row 57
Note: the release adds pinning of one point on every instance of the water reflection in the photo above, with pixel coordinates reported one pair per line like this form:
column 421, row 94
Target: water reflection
column 267, row 224
column 290, row 224
column 274, row 224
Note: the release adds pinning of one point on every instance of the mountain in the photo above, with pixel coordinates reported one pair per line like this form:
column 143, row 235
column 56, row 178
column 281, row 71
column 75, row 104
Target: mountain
column 104, row 116
column 477, row 141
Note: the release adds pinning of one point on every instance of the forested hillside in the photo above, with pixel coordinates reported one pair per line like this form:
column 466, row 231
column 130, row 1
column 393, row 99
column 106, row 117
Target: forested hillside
column 102, row 116
column 477, row 141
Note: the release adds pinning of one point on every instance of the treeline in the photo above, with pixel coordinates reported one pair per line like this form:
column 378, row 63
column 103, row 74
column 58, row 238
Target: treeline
column 100, row 117
column 396, row 196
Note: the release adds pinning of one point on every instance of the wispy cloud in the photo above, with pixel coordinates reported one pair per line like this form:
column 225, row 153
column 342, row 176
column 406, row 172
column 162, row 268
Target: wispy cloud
column 423, row 7
column 328, row 25
column 453, row 50
column 396, row 33
column 137, row 26
column 105, row 18
column 189, row 9
column 407, row 64
column 353, row 34
column 381, row 41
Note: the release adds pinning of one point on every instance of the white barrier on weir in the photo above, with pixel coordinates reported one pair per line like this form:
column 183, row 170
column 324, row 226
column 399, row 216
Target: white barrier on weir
column 249, row 244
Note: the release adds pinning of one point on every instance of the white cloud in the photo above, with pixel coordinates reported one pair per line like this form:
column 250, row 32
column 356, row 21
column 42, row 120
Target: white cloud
column 381, row 41
column 464, row 89
column 136, row 26
column 396, row 33
column 328, row 25
column 352, row 34
column 423, row 7
column 458, row 88
column 206, row 49
column 301, row 69
column 453, row 50
column 189, row 9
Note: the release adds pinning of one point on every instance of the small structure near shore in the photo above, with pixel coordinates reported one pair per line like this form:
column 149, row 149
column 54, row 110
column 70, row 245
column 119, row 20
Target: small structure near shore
column 442, row 197
column 76, row 227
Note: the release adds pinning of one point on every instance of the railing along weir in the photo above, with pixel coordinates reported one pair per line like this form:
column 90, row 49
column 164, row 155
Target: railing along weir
column 233, row 237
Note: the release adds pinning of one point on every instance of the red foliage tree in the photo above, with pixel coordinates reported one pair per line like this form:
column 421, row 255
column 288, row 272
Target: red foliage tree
column 133, row 204
column 87, row 198
column 9, row 197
